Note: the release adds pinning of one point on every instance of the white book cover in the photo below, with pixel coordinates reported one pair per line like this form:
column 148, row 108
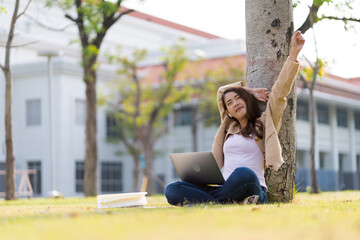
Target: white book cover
column 121, row 200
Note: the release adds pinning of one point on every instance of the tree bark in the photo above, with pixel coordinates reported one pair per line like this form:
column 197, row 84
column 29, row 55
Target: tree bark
column 91, row 158
column 314, row 185
column 269, row 27
column 149, row 152
column 136, row 171
column 311, row 18
column 10, row 158
column 89, row 60
column 194, row 128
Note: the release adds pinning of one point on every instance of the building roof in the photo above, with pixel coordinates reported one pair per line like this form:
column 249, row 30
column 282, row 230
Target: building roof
column 354, row 81
column 169, row 24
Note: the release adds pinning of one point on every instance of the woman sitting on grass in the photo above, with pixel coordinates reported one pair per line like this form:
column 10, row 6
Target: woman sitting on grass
column 246, row 142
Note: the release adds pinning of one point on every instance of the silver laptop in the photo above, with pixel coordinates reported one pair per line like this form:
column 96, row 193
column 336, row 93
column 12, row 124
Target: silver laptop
column 197, row 167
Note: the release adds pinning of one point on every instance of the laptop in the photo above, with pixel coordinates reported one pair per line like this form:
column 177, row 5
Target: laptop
column 199, row 168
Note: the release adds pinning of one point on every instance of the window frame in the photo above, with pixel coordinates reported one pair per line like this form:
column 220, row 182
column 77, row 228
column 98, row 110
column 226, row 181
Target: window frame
column 35, row 179
column 321, row 108
column 341, row 117
column 32, row 119
column 79, row 176
column 303, row 113
column 111, row 181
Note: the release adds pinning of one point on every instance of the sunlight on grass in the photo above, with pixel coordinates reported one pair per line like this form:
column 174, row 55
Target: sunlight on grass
column 329, row 215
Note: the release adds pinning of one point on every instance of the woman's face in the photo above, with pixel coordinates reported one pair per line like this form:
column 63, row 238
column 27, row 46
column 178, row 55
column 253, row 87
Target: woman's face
column 235, row 106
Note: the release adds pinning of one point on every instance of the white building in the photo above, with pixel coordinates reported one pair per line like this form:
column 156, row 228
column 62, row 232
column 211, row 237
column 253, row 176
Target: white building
column 338, row 147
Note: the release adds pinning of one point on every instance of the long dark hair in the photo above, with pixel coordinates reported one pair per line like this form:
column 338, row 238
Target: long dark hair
column 252, row 112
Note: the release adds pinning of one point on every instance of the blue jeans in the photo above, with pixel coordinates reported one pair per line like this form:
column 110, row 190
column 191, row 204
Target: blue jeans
column 242, row 183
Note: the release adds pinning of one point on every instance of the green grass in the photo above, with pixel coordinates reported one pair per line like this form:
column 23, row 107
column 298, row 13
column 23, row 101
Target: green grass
column 329, row 215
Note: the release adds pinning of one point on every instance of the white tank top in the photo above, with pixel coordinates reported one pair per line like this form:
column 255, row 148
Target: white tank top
column 240, row 151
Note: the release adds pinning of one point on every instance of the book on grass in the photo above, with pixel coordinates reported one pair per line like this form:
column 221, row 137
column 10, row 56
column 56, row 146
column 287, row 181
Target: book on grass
column 136, row 199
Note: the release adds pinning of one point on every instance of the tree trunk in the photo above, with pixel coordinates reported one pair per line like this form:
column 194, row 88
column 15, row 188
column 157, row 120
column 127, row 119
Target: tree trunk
column 90, row 164
column 148, row 149
column 194, row 129
column 314, row 185
column 10, row 158
column 136, row 171
column 269, row 27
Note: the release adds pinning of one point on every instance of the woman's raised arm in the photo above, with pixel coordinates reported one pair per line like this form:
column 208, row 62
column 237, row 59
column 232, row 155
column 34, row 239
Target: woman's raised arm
column 297, row 43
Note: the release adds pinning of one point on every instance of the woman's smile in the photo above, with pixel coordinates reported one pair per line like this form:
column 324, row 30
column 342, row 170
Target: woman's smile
column 238, row 108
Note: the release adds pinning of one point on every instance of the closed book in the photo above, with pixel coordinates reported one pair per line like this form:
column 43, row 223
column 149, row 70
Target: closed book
column 122, row 200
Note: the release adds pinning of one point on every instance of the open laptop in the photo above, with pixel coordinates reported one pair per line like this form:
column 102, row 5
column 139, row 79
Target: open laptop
column 197, row 167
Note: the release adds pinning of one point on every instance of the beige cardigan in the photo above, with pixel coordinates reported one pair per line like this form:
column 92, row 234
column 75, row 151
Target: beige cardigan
column 271, row 119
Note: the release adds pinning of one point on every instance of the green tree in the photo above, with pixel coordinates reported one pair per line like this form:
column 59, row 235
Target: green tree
column 93, row 19
column 309, row 75
column 269, row 27
column 344, row 8
column 2, row 10
column 141, row 107
column 10, row 158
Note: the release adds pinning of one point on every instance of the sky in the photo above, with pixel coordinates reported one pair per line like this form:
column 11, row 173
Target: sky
column 226, row 18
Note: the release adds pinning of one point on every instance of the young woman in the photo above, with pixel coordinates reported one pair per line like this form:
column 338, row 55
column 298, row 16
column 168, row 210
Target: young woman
column 246, row 142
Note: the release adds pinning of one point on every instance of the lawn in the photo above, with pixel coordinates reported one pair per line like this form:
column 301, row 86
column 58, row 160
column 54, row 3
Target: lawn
column 329, row 215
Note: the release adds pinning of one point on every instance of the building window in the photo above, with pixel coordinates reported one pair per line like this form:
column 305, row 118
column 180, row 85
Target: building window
column 357, row 120
column 79, row 176
column 323, row 113
column 35, row 179
column 33, row 112
column 183, row 116
column 2, row 177
column 302, row 110
column 358, row 164
column 112, row 127
column 341, row 115
column 111, row 177
column 342, row 159
column 300, row 159
column 80, row 112
column 322, row 159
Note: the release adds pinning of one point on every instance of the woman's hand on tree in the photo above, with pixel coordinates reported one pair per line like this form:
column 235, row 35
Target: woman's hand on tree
column 261, row 94
column 297, row 43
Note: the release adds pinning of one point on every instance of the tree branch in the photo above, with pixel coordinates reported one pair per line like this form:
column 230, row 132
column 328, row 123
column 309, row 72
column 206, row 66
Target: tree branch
column 47, row 27
column 309, row 62
column 138, row 91
column 23, row 12
column 344, row 19
column 71, row 18
column 302, row 78
column 84, row 38
column 311, row 18
column 159, row 134
column 117, row 108
column 108, row 22
column 21, row 45
column 121, row 14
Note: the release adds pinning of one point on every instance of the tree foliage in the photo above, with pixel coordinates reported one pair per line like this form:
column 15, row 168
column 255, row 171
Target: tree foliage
column 344, row 9
column 6, row 69
column 93, row 19
column 140, row 107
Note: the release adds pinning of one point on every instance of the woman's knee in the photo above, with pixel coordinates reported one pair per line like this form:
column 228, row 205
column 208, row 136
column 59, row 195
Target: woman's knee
column 246, row 174
column 170, row 189
column 171, row 193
